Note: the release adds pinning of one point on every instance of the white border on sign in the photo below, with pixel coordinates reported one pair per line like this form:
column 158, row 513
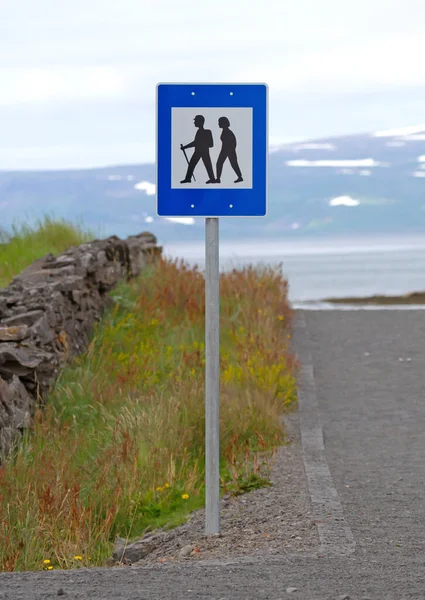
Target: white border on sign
column 267, row 150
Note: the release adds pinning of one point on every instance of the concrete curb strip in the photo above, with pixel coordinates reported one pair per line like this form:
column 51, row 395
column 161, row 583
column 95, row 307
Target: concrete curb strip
column 335, row 535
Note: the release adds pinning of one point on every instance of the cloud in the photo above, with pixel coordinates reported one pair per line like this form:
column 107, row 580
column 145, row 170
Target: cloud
column 81, row 75
column 40, row 85
column 348, row 67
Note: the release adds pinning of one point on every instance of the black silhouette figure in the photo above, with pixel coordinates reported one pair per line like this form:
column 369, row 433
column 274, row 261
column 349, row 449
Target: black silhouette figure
column 228, row 150
column 202, row 143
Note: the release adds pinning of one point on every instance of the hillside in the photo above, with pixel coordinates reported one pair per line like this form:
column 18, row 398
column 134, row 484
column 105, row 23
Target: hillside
column 357, row 184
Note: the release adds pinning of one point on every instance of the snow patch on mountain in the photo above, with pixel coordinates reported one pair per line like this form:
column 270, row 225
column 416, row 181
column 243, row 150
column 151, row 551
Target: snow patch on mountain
column 145, row 218
column 363, row 162
column 419, row 137
column 313, row 146
column 400, row 131
column 147, row 187
column 343, row 201
column 120, row 177
column 183, row 220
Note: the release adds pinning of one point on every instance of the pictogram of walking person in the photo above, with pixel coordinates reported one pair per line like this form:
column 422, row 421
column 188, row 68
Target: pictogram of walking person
column 202, row 143
column 228, row 150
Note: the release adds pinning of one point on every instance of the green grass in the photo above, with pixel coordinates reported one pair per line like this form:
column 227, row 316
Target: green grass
column 119, row 449
column 26, row 244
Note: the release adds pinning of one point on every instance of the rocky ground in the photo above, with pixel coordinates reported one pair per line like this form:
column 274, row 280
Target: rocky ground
column 268, row 521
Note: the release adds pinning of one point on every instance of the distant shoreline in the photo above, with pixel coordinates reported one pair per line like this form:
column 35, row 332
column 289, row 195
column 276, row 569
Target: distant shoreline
column 412, row 298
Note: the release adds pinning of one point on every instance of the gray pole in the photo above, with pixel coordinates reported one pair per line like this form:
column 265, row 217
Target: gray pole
column 212, row 374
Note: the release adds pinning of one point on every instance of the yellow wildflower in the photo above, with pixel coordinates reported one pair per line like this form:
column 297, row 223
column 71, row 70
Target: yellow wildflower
column 78, row 557
column 49, row 568
column 280, row 317
column 159, row 489
column 46, row 561
column 167, row 485
column 185, row 496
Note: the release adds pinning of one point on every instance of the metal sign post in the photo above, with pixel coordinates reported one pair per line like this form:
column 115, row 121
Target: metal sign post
column 212, row 377
column 225, row 127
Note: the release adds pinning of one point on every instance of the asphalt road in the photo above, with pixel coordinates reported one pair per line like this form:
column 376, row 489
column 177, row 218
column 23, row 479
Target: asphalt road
column 369, row 376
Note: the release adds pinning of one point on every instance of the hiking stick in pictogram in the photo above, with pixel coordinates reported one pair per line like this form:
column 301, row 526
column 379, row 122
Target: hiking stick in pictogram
column 187, row 160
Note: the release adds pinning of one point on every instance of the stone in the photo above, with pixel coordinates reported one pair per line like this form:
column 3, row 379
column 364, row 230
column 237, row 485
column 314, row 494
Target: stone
column 3, row 307
column 41, row 330
column 18, row 310
column 26, row 318
column 11, row 300
column 86, row 260
column 13, row 333
column 20, row 396
column 49, row 258
column 76, row 296
column 9, row 437
column 16, row 404
column 110, row 562
column 68, row 283
column 101, row 258
column 27, row 358
column 137, row 550
column 186, row 551
column 21, row 419
column 59, row 262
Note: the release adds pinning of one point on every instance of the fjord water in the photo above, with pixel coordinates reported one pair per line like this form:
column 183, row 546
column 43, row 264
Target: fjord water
column 323, row 268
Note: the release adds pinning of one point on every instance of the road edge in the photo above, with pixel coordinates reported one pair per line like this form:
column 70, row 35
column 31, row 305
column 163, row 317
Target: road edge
column 336, row 537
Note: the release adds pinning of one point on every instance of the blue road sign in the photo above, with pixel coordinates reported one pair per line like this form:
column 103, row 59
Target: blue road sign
column 212, row 145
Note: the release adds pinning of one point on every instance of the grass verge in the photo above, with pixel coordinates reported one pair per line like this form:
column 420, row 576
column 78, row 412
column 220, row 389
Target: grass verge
column 27, row 244
column 119, row 449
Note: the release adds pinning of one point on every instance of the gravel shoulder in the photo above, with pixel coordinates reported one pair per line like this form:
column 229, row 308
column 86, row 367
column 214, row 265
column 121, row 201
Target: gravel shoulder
column 269, row 521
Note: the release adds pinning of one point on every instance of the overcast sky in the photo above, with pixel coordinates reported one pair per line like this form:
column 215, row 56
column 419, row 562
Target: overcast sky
column 78, row 77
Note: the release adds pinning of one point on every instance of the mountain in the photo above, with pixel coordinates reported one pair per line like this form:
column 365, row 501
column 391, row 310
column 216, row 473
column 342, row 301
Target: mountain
column 370, row 183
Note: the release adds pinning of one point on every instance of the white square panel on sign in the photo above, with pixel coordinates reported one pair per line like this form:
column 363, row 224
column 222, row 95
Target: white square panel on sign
column 211, row 148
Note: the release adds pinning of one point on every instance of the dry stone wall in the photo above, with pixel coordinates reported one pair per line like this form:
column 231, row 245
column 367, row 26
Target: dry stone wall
column 47, row 315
